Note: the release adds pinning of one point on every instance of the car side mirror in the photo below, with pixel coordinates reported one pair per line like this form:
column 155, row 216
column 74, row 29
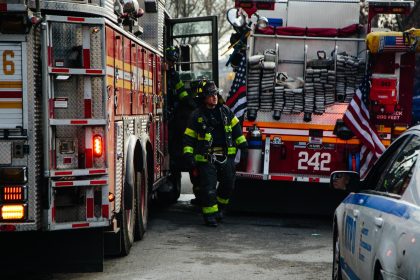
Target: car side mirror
column 345, row 180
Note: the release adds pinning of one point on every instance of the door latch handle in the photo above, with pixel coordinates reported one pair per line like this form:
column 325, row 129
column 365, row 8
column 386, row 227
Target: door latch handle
column 379, row 221
column 356, row 213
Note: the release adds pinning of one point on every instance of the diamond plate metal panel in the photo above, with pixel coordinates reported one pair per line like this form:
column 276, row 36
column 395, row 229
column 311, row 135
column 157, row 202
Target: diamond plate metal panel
column 34, row 88
column 61, row 158
column 158, row 147
column 97, row 98
column 96, row 47
column 140, row 125
column 330, row 116
column 153, row 24
column 97, row 202
column 119, row 150
column 73, row 90
column 129, row 127
column 67, row 40
column 66, row 131
column 5, row 153
column 70, row 205
column 107, row 8
column 69, row 132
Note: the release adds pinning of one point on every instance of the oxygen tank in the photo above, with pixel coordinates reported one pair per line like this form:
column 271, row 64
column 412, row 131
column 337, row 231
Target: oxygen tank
column 255, row 143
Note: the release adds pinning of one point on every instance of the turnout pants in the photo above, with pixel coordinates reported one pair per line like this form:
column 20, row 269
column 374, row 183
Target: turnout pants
column 209, row 174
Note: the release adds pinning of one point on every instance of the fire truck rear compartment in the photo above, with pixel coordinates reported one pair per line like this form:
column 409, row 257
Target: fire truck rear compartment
column 71, row 204
column 78, row 97
column 77, row 163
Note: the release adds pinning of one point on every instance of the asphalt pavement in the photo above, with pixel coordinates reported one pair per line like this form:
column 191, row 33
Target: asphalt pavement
column 249, row 245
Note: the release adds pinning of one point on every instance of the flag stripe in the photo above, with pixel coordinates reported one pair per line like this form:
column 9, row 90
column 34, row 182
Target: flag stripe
column 236, row 100
column 357, row 118
column 236, row 96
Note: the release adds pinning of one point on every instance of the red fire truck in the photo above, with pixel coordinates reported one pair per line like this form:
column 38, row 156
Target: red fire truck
column 320, row 47
column 83, row 129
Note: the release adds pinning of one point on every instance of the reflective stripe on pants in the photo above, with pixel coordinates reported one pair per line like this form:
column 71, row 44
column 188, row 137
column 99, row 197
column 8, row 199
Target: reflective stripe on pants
column 210, row 174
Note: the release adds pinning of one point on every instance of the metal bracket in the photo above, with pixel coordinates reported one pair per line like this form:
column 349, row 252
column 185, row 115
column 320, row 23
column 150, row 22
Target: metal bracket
column 266, row 158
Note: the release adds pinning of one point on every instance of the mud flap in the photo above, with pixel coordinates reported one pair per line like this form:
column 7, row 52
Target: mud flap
column 112, row 243
column 58, row 251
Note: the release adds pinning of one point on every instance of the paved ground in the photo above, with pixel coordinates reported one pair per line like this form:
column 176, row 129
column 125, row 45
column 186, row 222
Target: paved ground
column 247, row 246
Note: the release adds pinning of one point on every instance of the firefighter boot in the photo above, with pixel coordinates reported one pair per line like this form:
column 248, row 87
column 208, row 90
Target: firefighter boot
column 221, row 213
column 210, row 219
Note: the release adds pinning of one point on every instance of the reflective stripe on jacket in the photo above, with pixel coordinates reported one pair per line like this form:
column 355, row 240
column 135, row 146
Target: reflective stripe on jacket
column 177, row 86
column 198, row 138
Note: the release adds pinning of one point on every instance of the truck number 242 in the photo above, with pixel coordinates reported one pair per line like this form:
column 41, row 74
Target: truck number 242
column 318, row 161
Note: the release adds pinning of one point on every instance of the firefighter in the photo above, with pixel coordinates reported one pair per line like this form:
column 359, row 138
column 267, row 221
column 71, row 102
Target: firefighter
column 180, row 106
column 211, row 140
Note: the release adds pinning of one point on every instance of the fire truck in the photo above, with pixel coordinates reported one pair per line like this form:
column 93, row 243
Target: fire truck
column 321, row 57
column 83, row 125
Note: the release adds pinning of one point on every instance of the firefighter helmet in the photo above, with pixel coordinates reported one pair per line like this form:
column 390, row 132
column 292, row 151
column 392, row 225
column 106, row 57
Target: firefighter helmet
column 206, row 88
column 172, row 53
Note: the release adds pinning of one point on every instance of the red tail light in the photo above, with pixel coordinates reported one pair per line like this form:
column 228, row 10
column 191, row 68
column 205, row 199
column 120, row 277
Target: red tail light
column 97, row 145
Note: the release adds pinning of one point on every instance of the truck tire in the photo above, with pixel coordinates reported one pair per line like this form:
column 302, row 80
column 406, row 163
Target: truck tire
column 142, row 206
column 127, row 219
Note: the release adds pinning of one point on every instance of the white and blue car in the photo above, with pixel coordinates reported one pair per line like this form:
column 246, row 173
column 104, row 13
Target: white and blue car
column 377, row 226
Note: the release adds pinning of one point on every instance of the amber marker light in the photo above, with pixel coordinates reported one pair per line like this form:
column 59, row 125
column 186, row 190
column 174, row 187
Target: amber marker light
column 97, row 145
column 13, row 193
column 111, row 197
column 13, row 212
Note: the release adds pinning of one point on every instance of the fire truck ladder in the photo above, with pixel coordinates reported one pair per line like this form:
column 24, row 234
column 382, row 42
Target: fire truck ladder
column 75, row 122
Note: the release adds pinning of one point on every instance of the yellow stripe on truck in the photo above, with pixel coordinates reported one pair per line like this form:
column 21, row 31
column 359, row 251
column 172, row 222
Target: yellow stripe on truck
column 11, row 84
column 10, row 105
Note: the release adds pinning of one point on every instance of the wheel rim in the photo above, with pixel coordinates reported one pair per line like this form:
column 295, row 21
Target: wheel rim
column 336, row 264
column 130, row 222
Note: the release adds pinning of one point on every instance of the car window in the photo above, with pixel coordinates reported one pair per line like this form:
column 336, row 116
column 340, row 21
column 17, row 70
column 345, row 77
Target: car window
column 396, row 177
column 377, row 171
column 412, row 193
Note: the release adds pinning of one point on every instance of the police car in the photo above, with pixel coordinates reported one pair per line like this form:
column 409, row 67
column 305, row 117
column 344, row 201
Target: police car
column 377, row 226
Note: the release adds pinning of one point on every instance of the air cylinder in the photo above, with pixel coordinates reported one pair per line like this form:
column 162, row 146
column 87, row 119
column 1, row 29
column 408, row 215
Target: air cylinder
column 255, row 144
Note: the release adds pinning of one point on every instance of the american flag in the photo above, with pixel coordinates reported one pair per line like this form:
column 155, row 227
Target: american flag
column 358, row 120
column 236, row 100
column 392, row 43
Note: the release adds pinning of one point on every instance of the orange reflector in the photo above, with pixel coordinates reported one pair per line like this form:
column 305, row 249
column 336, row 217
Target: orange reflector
column 97, row 145
column 12, row 193
column 111, row 197
column 12, row 212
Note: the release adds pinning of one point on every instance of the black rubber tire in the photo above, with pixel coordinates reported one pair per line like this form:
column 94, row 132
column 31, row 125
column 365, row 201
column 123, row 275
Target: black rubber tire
column 142, row 206
column 127, row 220
column 336, row 270
column 378, row 274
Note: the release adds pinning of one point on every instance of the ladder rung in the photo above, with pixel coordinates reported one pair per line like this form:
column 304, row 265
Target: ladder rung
column 75, row 71
column 78, row 122
column 78, row 172
column 13, row 7
column 75, row 183
column 102, row 222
